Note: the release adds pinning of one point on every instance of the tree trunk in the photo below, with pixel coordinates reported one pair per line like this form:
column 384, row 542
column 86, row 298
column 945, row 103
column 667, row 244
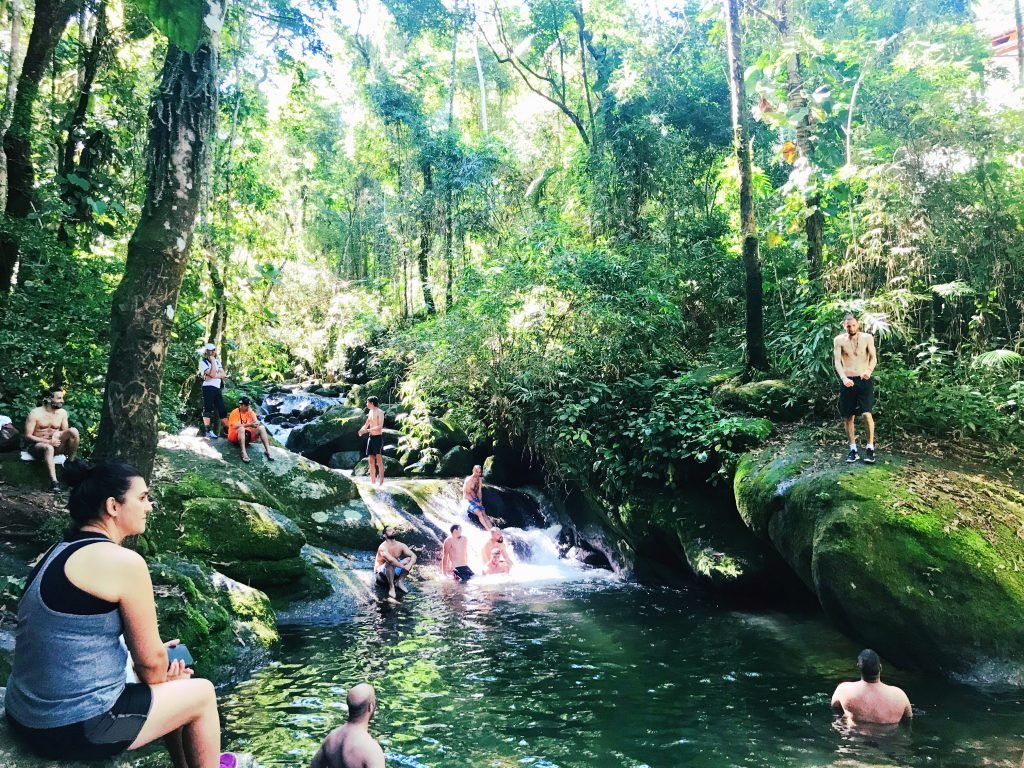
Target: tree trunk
column 13, row 70
column 449, row 257
column 182, row 119
column 426, row 232
column 483, row 85
column 796, row 100
column 76, row 128
column 451, row 74
column 756, row 357
column 1018, row 20
column 51, row 17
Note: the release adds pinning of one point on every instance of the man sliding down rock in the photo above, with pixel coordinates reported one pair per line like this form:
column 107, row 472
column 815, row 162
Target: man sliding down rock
column 870, row 700
column 853, row 354
column 473, row 493
column 392, row 564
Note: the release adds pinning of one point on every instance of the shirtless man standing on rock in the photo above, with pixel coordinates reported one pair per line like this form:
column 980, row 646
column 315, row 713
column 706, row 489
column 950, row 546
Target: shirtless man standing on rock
column 351, row 745
column 853, row 354
column 47, row 433
column 473, row 493
column 455, row 556
column 374, row 427
column 870, row 700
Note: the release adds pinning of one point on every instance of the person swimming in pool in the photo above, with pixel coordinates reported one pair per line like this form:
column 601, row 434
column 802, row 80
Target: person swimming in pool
column 473, row 493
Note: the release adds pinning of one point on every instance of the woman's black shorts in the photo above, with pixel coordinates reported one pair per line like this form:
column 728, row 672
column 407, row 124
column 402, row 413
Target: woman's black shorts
column 858, row 399
column 97, row 738
column 213, row 402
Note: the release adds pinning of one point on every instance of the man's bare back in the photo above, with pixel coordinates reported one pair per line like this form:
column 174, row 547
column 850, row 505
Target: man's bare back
column 350, row 746
column 864, row 702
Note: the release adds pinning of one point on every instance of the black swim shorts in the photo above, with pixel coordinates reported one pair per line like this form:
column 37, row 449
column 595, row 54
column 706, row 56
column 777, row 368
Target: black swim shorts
column 213, row 402
column 858, row 399
column 464, row 573
column 98, row 738
column 375, row 445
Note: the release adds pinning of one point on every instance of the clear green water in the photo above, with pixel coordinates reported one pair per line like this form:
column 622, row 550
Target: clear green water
column 599, row 673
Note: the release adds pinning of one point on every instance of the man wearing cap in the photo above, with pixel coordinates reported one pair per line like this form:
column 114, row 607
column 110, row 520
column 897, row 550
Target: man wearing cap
column 244, row 428
column 213, row 375
column 869, row 700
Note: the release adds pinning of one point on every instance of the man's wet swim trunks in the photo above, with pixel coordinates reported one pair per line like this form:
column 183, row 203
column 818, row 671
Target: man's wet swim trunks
column 463, row 573
column 474, row 508
column 858, row 399
column 375, row 445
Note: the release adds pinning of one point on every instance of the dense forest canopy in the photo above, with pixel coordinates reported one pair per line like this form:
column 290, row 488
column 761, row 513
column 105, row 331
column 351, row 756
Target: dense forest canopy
column 528, row 213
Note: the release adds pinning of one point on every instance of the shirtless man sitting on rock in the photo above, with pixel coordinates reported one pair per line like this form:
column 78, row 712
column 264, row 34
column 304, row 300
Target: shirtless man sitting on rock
column 455, row 556
column 870, row 700
column 47, row 433
column 392, row 564
column 351, row 745
column 853, row 355
column 473, row 493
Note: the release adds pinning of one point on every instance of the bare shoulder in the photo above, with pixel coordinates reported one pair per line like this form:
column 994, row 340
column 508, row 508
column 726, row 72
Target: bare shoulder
column 838, row 340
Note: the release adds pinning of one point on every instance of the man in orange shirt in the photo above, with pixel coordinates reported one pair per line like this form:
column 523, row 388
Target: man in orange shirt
column 244, row 428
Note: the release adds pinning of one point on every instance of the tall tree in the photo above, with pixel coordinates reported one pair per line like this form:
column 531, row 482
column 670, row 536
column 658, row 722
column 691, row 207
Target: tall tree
column 756, row 357
column 13, row 70
column 51, row 17
column 182, row 119
column 1018, row 20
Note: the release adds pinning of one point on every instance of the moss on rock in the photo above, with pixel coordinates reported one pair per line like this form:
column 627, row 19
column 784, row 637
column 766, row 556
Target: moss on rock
column 922, row 559
column 772, row 398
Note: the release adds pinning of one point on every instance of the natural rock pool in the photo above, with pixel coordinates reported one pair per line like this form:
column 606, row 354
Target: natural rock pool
column 585, row 670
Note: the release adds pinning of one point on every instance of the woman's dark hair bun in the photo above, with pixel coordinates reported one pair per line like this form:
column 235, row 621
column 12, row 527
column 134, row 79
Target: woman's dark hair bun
column 76, row 471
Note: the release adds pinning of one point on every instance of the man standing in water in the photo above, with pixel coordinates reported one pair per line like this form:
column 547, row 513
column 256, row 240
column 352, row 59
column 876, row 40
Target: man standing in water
column 392, row 564
column 853, row 354
column 870, row 700
column 351, row 745
column 47, row 433
column 455, row 556
column 374, row 427
column 473, row 492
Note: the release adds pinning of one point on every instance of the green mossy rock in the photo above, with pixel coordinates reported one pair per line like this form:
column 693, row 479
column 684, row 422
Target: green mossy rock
column 773, row 398
column 444, row 435
column 919, row 558
column 426, row 465
column 336, row 430
column 344, row 459
column 189, row 469
column 227, row 626
column 392, row 468
column 458, row 462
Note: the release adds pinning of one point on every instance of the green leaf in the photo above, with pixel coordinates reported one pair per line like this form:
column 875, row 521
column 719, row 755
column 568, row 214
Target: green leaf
column 181, row 20
column 78, row 181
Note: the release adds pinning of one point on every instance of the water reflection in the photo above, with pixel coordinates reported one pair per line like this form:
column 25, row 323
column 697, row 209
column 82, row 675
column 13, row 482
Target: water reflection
column 600, row 674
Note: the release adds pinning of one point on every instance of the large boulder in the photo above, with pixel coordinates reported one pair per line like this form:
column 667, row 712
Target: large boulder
column 248, row 542
column 392, row 468
column 344, row 460
column 228, row 626
column 190, row 469
column 919, row 557
column 457, row 462
column 773, row 398
column 337, row 430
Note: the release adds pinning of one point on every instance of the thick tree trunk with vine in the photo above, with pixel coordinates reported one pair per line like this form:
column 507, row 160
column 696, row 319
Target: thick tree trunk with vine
column 51, row 17
column 13, row 71
column 182, row 120
column 756, row 357
column 426, row 234
column 449, row 257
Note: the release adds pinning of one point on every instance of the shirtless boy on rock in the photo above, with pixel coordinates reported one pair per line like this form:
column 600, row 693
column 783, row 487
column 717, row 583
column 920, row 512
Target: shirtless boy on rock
column 853, row 354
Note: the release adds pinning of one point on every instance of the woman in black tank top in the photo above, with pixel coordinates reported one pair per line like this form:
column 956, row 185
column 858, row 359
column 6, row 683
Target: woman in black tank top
column 87, row 581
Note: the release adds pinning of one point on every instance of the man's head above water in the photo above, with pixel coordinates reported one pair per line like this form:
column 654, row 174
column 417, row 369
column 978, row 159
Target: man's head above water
column 362, row 701
column 870, row 666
